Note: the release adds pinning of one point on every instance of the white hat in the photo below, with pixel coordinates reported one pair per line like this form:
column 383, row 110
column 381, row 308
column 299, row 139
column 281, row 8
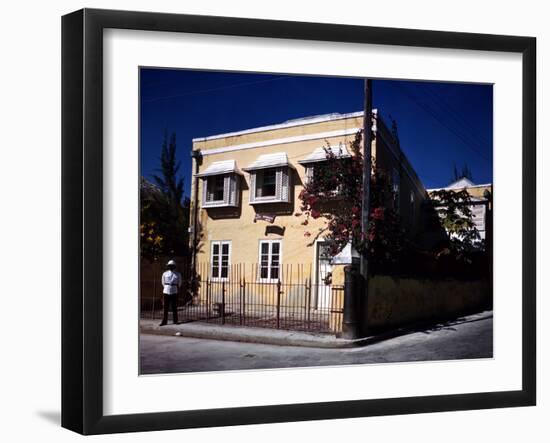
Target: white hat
column 171, row 263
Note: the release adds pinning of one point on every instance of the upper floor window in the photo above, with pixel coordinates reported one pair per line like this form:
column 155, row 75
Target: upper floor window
column 266, row 183
column 396, row 187
column 321, row 173
column 215, row 187
column 220, row 187
column 317, row 167
column 270, row 179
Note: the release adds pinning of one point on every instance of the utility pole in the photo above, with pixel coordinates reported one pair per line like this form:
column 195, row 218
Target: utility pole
column 354, row 320
column 367, row 168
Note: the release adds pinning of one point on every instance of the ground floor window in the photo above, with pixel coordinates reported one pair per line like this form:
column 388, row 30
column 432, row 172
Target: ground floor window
column 270, row 260
column 220, row 259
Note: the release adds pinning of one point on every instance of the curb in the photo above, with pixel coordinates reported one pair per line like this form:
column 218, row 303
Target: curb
column 250, row 335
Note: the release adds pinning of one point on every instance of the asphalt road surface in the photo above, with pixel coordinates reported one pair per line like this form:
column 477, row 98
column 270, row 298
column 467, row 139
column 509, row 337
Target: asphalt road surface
column 467, row 337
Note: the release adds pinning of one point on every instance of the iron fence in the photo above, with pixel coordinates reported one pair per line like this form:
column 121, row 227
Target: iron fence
column 294, row 301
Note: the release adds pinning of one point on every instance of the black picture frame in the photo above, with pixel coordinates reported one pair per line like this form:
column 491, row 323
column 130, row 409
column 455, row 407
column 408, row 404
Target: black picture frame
column 82, row 218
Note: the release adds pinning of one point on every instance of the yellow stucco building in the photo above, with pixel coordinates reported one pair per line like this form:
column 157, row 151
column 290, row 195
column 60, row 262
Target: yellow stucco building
column 244, row 198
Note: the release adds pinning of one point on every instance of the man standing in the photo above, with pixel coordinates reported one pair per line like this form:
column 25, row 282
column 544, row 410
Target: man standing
column 171, row 281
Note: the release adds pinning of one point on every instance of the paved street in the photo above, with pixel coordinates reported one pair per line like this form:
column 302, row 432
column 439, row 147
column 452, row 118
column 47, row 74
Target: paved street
column 467, row 337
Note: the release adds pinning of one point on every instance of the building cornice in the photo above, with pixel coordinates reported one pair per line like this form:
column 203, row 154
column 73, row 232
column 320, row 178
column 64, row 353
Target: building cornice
column 288, row 124
column 281, row 141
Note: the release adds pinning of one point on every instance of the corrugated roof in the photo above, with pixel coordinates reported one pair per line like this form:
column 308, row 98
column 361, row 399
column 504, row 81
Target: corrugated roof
column 320, row 154
column 269, row 161
column 221, row 167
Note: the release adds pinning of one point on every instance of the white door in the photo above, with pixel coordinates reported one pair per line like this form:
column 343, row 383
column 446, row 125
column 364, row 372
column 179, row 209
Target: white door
column 324, row 270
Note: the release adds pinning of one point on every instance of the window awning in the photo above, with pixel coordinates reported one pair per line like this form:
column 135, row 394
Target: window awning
column 274, row 160
column 219, row 168
column 320, row 155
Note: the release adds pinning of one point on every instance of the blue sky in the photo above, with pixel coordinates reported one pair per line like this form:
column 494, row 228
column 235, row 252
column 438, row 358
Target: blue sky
column 440, row 124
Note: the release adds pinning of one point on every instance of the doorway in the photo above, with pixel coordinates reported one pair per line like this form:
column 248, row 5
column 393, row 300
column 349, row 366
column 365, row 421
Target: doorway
column 324, row 272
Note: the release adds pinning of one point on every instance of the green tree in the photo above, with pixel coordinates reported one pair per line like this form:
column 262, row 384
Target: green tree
column 151, row 239
column 169, row 181
column 453, row 209
column 465, row 173
column 164, row 208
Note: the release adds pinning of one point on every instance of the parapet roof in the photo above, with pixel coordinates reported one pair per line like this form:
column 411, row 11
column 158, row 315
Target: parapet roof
column 286, row 124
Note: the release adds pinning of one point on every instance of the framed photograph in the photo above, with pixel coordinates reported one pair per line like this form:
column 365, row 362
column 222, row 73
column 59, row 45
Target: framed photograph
column 268, row 221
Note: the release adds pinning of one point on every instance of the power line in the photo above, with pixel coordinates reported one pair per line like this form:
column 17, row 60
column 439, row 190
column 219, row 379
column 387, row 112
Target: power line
column 466, row 142
column 235, row 85
column 444, row 104
column 464, row 127
column 464, row 138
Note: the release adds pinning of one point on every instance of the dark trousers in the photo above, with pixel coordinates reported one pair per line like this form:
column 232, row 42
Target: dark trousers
column 170, row 302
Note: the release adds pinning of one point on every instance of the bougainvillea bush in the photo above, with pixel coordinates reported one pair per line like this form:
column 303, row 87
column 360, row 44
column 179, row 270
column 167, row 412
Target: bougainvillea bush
column 334, row 192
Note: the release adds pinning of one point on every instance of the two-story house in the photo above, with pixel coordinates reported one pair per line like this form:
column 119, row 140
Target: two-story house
column 245, row 189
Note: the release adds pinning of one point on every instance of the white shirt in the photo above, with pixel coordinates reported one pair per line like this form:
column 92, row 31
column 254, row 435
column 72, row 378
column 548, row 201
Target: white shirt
column 171, row 280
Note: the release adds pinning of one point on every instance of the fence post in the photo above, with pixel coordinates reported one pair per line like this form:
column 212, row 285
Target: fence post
column 308, row 302
column 223, row 303
column 243, row 301
column 207, row 299
column 350, row 323
column 278, row 304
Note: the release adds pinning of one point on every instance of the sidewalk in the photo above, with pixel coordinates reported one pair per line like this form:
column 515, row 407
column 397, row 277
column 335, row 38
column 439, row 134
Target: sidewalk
column 284, row 337
column 248, row 334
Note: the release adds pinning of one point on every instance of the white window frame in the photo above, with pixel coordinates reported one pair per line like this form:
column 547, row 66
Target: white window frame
column 396, row 188
column 230, row 191
column 270, row 242
column 215, row 178
column 220, row 244
column 261, row 174
column 282, row 186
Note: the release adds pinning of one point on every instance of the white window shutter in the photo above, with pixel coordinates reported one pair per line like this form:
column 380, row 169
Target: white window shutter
column 258, row 188
column 233, row 189
column 205, row 191
column 226, row 189
column 279, row 184
column 252, row 191
column 285, row 184
column 309, row 174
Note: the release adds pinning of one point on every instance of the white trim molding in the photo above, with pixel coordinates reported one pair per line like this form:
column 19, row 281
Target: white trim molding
column 288, row 124
column 281, row 141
